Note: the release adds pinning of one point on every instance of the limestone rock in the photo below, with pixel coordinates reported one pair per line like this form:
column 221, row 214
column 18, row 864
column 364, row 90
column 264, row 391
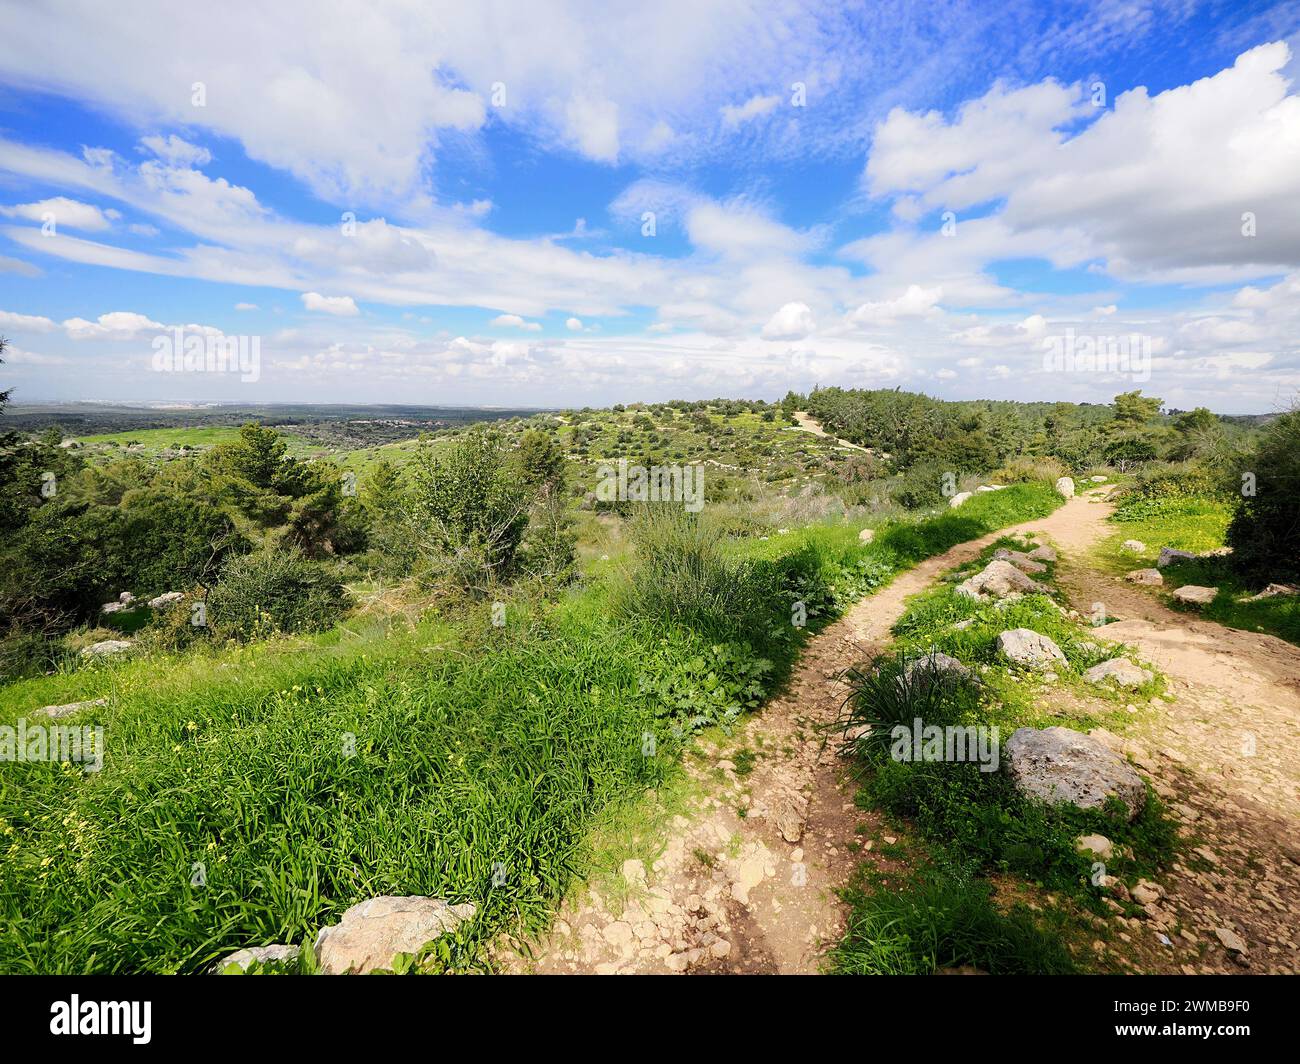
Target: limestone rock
column 1063, row 765
column 1121, row 670
column 1273, row 590
column 934, row 665
column 866, row 535
column 998, row 579
column 107, row 647
column 71, row 707
column 1043, row 554
column 165, row 599
column 1021, row 561
column 277, row 953
column 1195, row 595
column 1168, row 555
column 1153, row 577
column 373, row 932
column 1134, row 546
column 959, row 498
column 1097, row 846
column 1065, row 487
column 1024, row 646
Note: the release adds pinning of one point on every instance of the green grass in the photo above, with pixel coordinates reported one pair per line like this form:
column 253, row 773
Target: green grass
column 1196, row 524
column 306, row 774
column 933, row 920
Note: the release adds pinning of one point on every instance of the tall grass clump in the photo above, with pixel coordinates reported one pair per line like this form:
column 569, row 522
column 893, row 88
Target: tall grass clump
column 684, row 575
column 936, row 921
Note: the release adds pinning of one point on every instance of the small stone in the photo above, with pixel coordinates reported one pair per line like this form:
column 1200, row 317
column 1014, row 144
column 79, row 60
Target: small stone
column 1230, row 939
column 1121, row 670
column 71, row 707
column 1134, row 546
column 1065, row 487
column 866, row 535
column 1151, row 577
column 276, row 953
column 1168, row 556
column 106, row 648
column 1196, row 595
column 1097, row 845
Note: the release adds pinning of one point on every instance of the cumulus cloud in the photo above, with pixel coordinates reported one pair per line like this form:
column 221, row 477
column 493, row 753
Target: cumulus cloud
column 342, row 306
column 916, row 302
column 62, row 211
column 514, row 321
column 794, row 321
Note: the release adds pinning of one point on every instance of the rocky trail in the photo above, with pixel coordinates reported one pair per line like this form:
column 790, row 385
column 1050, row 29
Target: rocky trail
column 748, row 879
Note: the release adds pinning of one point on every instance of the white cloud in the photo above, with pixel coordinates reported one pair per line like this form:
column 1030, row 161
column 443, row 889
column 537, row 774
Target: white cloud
column 175, row 151
column 593, row 125
column 514, row 321
column 25, row 322
column 63, row 212
column 342, row 306
column 754, row 107
column 916, row 302
column 245, row 306
column 573, row 324
column 1157, row 186
column 115, row 325
column 794, row 321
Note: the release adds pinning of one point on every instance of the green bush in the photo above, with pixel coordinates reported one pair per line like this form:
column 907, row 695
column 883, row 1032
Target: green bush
column 682, row 573
column 274, row 591
column 468, row 511
column 1265, row 530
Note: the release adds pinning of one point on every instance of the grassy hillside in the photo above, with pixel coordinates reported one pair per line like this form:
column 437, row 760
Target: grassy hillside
column 251, row 794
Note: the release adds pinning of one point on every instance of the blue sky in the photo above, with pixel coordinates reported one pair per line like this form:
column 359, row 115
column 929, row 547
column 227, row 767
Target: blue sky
column 562, row 205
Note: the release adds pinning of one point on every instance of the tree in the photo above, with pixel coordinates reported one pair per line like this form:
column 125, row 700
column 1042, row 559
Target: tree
column 1264, row 533
column 1199, row 434
column 468, row 513
column 540, row 458
column 1134, row 411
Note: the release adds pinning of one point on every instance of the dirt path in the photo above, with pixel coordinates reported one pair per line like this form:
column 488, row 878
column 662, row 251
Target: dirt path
column 747, row 882
column 1224, row 753
column 808, row 423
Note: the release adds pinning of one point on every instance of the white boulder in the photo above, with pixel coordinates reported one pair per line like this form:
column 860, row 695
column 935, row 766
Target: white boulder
column 1195, row 595
column 1024, row 646
column 373, row 932
column 998, row 579
column 1121, row 670
column 1065, row 487
column 1063, row 765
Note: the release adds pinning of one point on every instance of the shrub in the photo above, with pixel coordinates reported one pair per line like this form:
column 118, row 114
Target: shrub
column 468, row 512
column 682, row 573
column 1265, row 530
column 1027, row 469
column 1156, row 488
column 274, row 591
